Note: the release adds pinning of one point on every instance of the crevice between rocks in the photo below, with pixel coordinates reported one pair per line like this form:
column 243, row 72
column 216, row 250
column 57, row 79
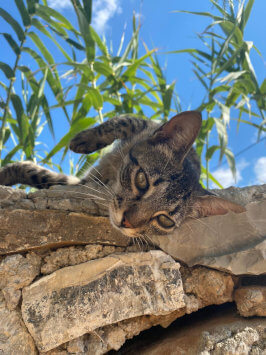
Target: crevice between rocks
column 71, row 284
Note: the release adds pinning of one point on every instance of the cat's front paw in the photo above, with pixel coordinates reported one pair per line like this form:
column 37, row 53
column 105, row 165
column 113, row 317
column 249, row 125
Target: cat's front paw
column 86, row 142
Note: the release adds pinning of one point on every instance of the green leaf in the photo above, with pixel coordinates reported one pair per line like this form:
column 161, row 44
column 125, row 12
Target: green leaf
column 207, row 14
column 93, row 98
column 102, row 46
column 231, row 161
column 13, row 23
column 103, row 68
column 85, row 30
column 210, row 151
column 200, row 79
column 53, row 83
column 36, row 23
column 232, row 31
column 45, row 52
column 8, row 71
column 87, row 9
column 23, row 13
column 9, row 156
column 192, row 50
column 211, row 177
column 222, row 134
column 55, row 14
column 76, row 127
column 31, row 6
column 263, row 87
column 246, row 14
column 232, row 76
column 131, row 71
column 12, row 43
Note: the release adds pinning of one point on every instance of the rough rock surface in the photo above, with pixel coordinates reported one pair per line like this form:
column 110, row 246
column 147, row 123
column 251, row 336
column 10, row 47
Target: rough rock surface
column 234, row 242
column 214, row 333
column 251, row 301
column 79, row 299
column 22, row 230
column 14, row 338
column 204, row 287
column 55, row 218
column 16, row 272
column 97, row 290
column 76, row 255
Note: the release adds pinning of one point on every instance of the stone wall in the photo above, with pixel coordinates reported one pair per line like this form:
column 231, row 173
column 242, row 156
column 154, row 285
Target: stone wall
column 71, row 284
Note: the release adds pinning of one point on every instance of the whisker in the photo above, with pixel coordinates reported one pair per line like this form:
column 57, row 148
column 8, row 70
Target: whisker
column 145, row 241
column 138, row 243
column 149, row 239
column 205, row 224
column 141, row 242
column 91, row 188
column 101, row 184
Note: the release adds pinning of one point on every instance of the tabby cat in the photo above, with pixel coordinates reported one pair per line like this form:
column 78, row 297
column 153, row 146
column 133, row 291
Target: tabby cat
column 151, row 176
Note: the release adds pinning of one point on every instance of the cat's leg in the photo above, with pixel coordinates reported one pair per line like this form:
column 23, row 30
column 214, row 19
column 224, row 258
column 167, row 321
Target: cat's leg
column 31, row 174
column 120, row 127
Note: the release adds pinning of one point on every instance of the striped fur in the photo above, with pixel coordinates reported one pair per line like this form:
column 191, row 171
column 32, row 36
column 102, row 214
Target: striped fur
column 28, row 173
column 150, row 180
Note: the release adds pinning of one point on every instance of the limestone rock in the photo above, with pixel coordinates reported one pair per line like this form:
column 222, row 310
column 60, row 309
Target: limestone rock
column 75, row 255
column 235, row 243
column 76, row 346
column 14, row 338
column 79, row 299
column 217, row 332
column 69, row 198
column 243, row 195
column 12, row 297
column 22, row 230
column 53, row 218
column 204, row 287
column 251, row 301
column 18, row 271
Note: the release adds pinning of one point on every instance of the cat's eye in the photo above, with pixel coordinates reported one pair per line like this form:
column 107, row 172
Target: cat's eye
column 141, row 181
column 165, row 221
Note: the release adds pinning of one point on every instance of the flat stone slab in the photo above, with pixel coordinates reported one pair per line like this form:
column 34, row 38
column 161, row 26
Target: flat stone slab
column 79, row 299
column 234, row 243
column 22, row 230
column 59, row 217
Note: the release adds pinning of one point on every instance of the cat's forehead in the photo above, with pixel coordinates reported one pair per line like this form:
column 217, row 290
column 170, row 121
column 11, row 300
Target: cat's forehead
column 154, row 158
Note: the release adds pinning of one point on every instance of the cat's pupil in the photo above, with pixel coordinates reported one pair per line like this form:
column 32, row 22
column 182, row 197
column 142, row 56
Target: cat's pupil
column 141, row 181
column 165, row 221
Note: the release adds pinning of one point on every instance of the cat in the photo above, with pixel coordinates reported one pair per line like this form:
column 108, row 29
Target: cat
column 151, row 176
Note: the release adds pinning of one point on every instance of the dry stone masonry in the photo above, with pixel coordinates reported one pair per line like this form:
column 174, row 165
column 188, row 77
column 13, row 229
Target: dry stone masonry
column 71, row 284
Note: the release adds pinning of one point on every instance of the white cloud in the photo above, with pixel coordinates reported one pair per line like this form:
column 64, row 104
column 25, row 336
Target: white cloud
column 260, row 170
column 102, row 11
column 59, row 4
column 225, row 176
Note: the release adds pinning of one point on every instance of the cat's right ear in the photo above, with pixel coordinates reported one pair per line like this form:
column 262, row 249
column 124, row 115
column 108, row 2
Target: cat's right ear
column 211, row 205
column 179, row 132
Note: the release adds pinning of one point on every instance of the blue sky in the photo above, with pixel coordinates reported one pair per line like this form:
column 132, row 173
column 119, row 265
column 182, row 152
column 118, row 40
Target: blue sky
column 173, row 31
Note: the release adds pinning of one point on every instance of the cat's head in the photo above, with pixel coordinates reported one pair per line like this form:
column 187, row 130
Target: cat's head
column 157, row 185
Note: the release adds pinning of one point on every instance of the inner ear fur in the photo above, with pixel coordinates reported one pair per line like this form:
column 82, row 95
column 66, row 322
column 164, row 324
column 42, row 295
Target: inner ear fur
column 180, row 131
column 211, row 205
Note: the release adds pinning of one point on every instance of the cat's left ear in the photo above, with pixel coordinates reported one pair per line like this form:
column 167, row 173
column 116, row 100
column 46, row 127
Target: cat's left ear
column 180, row 132
column 211, row 205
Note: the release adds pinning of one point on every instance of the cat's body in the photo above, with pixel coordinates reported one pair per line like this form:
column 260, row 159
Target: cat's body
column 150, row 179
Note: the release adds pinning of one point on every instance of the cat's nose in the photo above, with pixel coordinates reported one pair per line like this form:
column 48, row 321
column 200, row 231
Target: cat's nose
column 125, row 222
